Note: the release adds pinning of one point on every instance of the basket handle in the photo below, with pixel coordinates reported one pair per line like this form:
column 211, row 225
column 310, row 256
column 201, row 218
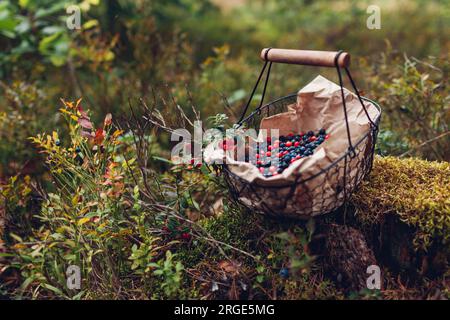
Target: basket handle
column 336, row 59
column 306, row 57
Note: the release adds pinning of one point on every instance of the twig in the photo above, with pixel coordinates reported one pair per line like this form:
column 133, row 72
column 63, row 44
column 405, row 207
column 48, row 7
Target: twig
column 425, row 143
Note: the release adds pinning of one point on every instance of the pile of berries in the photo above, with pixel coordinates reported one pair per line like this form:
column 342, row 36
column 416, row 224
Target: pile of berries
column 289, row 148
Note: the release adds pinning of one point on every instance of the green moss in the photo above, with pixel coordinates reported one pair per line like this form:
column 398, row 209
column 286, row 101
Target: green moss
column 235, row 226
column 417, row 191
column 309, row 287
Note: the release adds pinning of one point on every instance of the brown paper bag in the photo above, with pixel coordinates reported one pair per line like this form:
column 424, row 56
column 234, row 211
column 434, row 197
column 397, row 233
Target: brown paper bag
column 315, row 184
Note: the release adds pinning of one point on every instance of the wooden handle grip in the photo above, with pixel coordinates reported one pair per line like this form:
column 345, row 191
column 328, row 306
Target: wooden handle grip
column 306, row 57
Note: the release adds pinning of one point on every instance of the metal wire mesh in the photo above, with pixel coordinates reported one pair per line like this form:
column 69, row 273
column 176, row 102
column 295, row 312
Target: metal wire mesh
column 306, row 196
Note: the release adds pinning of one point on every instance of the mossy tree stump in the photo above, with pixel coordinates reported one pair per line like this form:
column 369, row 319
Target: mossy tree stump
column 403, row 209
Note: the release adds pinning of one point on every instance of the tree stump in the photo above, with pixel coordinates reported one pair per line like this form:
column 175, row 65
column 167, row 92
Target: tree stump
column 347, row 256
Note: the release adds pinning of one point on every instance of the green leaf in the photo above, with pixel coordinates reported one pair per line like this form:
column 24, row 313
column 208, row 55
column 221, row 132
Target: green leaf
column 162, row 159
column 260, row 278
column 53, row 289
column 27, row 282
column 90, row 24
column 158, row 272
column 8, row 26
column 237, row 95
column 45, row 12
column 46, row 43
column 24, row 3
column 58, row 61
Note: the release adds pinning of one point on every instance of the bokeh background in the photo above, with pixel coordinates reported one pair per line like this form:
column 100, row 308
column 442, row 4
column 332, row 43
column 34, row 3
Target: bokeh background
column 127, row 50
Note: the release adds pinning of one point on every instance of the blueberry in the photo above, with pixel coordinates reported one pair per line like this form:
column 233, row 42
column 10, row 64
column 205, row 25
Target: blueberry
column 284, row 273
column 79, row 160
column 322, row 131
column 77, row 150
column 58, row 143
column 310, row 133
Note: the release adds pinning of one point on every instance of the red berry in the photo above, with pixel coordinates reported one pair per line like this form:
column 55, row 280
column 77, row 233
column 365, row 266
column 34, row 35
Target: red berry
column 268, row 153
column 288, row 144
column 327, row 136
column 269, row 148
column 296, row 144
column 186, row 236
column 313, row 138
column 290, row 134
column 259, row 162
column 227, row 144
column 292, row 160
column 279, row 154
column 272, row 169
column 297, row 157
column 257, row 156
column 198, row 165
column 269, row 139
column 261, row 170
column 192, row 161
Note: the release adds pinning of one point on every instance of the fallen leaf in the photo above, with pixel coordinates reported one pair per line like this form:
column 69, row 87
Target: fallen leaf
column 229, row 267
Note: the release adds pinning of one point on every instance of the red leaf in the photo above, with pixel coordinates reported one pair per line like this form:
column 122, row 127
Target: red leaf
column 82, row 112
column 99, row 136
column 85, row 123
column 86, row 134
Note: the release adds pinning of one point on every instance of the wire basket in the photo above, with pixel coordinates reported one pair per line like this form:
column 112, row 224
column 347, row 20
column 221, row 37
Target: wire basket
column 294, row 198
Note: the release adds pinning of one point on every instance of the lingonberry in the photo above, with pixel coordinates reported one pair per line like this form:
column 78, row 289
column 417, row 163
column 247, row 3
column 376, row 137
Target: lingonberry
column 291, row 148
column 185, row 236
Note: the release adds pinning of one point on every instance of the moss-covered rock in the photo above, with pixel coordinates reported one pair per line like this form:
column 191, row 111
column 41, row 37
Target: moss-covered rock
column 405, row 208
column 417, row 191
